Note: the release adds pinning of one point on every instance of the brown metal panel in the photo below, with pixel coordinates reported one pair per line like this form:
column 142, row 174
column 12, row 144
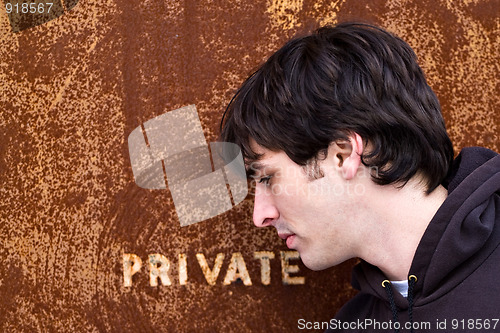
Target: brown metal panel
column 72, row 90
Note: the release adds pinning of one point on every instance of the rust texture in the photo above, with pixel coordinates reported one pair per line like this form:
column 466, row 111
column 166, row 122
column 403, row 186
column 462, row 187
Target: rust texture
column 72, row 90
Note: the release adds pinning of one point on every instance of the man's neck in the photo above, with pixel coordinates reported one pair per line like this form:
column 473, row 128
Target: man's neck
column 399, row 220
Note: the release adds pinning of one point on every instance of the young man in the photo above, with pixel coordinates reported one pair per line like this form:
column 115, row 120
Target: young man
column 348, row 148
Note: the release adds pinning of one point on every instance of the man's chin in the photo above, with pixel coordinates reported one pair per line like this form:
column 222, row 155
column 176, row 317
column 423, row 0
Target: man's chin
column 315, row 264
column 316, row 267
column 312, row 264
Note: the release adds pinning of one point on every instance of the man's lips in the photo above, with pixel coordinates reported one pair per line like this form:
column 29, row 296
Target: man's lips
column 284, row 235
column 289, row 238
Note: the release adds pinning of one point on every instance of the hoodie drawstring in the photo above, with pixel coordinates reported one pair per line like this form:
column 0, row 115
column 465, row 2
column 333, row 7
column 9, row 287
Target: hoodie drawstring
column 412, row 279
column 387, row 286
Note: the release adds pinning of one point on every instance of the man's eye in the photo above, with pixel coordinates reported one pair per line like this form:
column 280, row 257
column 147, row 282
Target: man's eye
column 265, row 180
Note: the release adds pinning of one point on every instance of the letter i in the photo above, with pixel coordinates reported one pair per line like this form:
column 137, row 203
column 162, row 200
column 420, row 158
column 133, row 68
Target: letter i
column 182, row 269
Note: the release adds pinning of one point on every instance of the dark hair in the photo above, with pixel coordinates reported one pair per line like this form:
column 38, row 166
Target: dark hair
column 353, row 77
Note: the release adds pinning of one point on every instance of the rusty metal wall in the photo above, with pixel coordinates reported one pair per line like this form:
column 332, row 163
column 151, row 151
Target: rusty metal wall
column 75, row 85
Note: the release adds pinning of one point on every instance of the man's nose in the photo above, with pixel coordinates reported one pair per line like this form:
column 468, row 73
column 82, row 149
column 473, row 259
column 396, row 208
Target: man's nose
column 264, row 209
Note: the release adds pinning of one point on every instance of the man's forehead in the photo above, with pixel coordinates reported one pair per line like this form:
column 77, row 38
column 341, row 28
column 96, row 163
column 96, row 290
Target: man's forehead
column 256, row 148
column 256, row 165
column 267, row 161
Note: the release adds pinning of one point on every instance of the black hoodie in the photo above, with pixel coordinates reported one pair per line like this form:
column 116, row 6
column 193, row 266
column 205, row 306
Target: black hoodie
column 456, row 264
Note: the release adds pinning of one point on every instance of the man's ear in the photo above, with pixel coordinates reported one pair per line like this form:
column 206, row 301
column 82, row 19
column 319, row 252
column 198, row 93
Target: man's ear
column 348, row 155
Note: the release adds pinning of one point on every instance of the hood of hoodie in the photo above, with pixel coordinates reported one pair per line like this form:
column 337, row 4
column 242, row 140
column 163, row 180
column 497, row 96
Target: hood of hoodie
column 463, row 233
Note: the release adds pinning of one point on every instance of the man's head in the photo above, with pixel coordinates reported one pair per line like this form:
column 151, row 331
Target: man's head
column 352, row 85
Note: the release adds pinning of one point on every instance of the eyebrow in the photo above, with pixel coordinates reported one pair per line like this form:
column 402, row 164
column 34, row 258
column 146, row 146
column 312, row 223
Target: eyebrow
column 255, row 166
